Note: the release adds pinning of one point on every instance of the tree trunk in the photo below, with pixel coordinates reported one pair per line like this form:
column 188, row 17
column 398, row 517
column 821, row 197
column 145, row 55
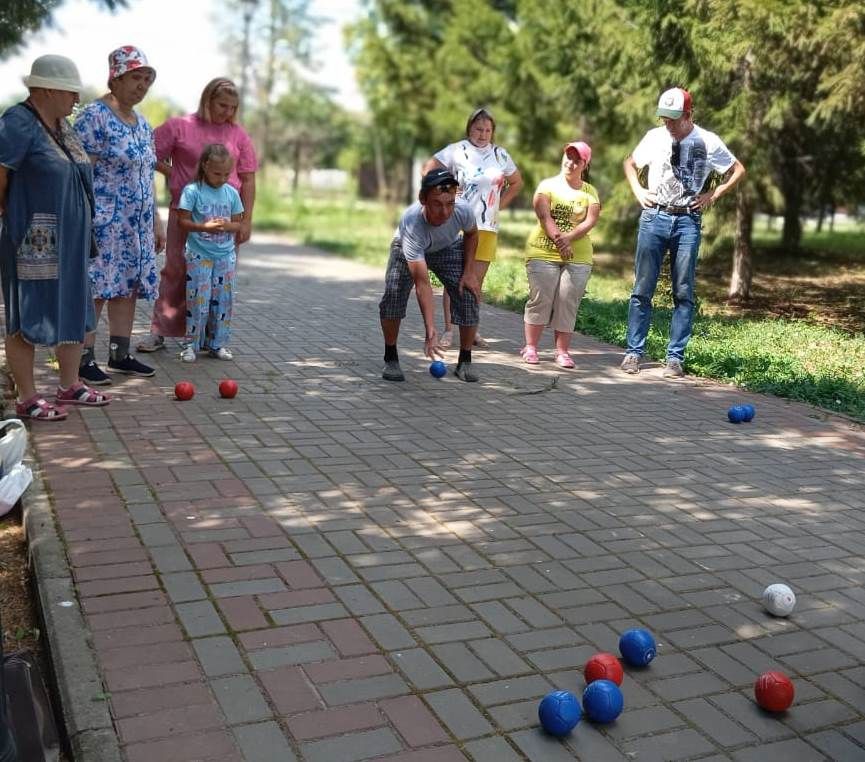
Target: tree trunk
column 791, row 237
column 295, row 185
column 743, row 253
column 380, row 174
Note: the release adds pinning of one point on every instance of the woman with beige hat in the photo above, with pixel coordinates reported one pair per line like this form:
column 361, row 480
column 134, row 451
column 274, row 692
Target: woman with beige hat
column 46, row 200
column 127, row 227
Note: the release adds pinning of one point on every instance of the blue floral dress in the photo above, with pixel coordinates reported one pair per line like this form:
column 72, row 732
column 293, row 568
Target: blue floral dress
column 125, row 160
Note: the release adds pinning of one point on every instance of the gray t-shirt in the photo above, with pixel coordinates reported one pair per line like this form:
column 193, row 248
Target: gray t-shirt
column 418, row 237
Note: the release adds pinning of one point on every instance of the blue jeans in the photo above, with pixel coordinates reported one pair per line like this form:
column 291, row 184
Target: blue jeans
column 680, row 235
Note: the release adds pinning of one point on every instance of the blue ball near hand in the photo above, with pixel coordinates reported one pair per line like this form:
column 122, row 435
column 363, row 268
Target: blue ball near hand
column 637, row 647
column 603, row 701
column 736, row 414
column 559, row 712
column 438, row 368
column 750, row 412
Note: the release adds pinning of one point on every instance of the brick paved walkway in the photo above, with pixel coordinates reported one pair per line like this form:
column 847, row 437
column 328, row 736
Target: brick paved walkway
column 333, row 568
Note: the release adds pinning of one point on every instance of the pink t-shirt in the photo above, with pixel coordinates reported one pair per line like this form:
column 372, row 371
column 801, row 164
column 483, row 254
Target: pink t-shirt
column 182, row 139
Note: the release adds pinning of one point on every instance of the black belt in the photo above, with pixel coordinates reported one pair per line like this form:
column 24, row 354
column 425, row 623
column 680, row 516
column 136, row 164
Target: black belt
column 676, row 209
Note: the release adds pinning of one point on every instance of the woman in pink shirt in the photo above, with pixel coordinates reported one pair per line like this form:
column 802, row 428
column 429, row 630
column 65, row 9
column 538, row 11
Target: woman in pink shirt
column 179, row 143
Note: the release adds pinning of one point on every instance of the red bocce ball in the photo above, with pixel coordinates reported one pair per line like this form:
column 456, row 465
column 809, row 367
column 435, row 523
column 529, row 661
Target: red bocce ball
column 774, row 691
column 603, row 666
column 184, row 390
column 227, row 388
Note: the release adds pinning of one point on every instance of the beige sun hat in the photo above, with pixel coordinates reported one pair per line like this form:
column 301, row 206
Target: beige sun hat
column 54, row 73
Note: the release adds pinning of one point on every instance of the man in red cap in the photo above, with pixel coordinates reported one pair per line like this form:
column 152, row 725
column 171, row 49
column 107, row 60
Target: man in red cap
column 680, row 156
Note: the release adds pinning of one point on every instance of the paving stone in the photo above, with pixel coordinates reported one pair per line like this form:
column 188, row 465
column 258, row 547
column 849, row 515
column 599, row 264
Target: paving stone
column 240, row 699
column 304, row 653
column 792, row 750
column 386, row 630
column 263, row 742
column 714, row 723
column 331, row 722
column 199, row 619
column 352, row 746
column 183, row 586
column 458, row 714
column 363, row 689
column 494, row 749
column 537, row 746
column 679, row 744
column 512, row 689
column 421, row 669
column 218, row 656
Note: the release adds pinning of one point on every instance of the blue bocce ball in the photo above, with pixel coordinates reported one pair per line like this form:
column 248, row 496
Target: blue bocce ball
column 750, row 412
column 559, row 712
column 637, row 647
column 603, row 701
column 736, row 414
column 438, row 368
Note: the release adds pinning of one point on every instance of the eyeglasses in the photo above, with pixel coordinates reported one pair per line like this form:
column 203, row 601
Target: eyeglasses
column 676, row 154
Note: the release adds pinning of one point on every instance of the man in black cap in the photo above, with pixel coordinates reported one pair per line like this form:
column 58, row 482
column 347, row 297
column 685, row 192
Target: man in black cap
column 438, row 233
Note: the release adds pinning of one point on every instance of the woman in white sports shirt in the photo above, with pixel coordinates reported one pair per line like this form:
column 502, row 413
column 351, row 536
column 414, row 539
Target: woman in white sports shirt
column 489, row 180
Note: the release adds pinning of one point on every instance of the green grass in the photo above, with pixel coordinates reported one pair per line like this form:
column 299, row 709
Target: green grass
column 787, row 358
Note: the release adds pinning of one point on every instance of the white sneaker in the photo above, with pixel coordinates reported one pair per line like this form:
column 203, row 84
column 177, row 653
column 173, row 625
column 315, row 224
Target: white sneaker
column 223, row 353
column 188, row 353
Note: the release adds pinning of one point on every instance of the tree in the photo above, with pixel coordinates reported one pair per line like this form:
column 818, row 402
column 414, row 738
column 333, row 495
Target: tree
column 20, row 17
column 275, row 48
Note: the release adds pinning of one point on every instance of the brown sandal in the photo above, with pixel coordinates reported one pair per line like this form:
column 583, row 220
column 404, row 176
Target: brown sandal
column 37, row 408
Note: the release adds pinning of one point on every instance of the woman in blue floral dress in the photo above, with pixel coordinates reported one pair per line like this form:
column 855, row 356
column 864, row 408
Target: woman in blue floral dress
column 127, row 227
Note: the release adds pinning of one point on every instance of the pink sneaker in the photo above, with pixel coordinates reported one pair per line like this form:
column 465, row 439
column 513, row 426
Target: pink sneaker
column 564, row 360
column 530, row 354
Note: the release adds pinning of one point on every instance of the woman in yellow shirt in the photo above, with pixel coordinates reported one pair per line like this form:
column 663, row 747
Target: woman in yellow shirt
column 559, row 253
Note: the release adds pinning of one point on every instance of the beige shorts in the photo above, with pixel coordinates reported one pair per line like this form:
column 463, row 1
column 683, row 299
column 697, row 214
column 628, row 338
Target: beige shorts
column 555, row 292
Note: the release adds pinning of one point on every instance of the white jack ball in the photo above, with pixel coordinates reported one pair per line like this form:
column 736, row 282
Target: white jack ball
column 779, row 600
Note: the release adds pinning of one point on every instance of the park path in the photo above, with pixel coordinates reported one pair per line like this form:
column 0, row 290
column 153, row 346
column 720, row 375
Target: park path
column 331, row 567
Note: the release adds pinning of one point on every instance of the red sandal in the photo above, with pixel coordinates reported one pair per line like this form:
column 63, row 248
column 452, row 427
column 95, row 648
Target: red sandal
column 37, row 408
column 81, row 394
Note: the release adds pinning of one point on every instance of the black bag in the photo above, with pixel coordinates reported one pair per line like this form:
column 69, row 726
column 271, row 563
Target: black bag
column 30, row 715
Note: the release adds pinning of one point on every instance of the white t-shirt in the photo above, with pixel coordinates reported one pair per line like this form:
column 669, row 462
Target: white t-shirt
column 419, row 238
column 677, row 183
column 481, row 173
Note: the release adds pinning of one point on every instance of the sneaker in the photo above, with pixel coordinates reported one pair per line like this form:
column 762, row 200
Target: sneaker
column 131, row 367
column 631, row 363
column 188, row 353
column 530, row 354
column 674, row 368
column 564, row 360
column 152, row 343
column 464, row 372
column 223, row 353
column 93, row 374
column 392, row 371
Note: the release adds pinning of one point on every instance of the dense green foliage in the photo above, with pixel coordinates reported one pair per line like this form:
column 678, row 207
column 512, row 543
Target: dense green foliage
column 781, row 80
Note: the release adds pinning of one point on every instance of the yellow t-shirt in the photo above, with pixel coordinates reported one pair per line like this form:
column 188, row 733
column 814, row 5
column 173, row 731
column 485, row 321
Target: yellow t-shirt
column 569, row 208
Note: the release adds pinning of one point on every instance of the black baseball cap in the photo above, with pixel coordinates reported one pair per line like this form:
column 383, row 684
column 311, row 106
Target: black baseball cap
column 438, row 178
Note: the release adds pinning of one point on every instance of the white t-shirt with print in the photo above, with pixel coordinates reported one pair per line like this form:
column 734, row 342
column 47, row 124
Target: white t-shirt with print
column 481, row 173
column 676, row 184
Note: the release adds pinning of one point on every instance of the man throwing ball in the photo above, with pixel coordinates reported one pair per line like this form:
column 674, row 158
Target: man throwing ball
column 438, row 233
